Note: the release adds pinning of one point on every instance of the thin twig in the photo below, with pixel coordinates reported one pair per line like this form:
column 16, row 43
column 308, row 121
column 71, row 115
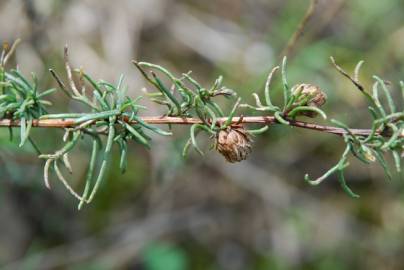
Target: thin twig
column 354, row 79
column 60, row 82
column 69, row 72
column 10, row 52
column 299, row 31
column 268, row 120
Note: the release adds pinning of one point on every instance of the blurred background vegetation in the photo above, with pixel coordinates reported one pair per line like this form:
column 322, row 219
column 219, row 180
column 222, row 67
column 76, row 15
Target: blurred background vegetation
column 167, row 213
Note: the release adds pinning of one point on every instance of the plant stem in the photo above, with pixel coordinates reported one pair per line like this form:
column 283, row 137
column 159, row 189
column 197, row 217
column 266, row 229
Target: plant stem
column 288, row 50
column 160, row 120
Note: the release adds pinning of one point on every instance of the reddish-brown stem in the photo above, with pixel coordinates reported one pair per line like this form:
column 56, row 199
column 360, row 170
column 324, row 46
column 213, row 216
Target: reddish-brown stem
column 269, row 120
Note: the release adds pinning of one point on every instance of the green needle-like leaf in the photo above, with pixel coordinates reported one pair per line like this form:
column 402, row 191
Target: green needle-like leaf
column 90, row 173
column 344, row 185
column 155, row 129
column 267, row 85
column 136, row 134
column 105, row 159
column 167, row 93
column 286, row 89
column 390, row 101
column 296, row 111
column 280, row 119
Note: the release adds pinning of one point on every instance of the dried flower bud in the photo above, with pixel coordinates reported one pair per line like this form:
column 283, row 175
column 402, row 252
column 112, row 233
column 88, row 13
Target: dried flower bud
column 314, row 95
column 234, row 144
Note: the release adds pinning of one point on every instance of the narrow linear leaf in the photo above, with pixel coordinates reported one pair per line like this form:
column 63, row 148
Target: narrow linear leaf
column 23, row 131
column 376, row 99
column 90, row 173
column 344, row 185
column 167, row 93
column 66, row 162
column 46, row 173
column 152, row 128
column 320, row 179
column 123, row 159
column 396, row 133
column 63, row 180
column 96, row 116
column 137, row 135
column 299, row 109
column 390, row 101
column 258, row 131
column 193, row 129
column 232, row 112
column 280, row 119
column 267, row 85
column 186, row 147
column 286, row 89
column 397, row 160
column 105, row 160
column 383, row 163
